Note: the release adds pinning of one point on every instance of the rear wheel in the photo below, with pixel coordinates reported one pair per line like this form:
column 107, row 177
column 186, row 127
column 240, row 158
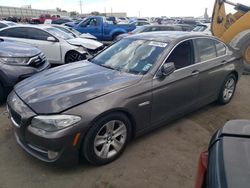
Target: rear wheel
column 227, row 89
column 74, row 56
column 107, row 139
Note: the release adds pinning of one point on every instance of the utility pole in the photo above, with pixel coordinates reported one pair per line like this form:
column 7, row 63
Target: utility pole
column 111, row 11
column 81, row 5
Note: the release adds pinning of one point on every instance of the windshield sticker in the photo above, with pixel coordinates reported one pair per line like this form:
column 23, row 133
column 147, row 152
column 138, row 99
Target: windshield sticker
column 147, row 67
column 158, row 44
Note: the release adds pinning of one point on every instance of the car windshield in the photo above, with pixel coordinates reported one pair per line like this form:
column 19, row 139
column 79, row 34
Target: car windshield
column 131, row 55
column 138, row 30
column 59, row 33
column 66, row 31
column 74, row 31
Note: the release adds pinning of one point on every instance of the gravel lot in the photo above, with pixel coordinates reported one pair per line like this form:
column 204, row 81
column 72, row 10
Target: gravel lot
column 167, row 157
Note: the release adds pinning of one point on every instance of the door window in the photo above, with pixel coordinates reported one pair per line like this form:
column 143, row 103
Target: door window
column 206, row 49
column 37, row 34
column 183, row 55
column 14, row 32
column 221, row 49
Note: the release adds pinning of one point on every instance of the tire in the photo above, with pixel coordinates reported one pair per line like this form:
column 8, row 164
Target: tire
column 101, row 146
column 74, row 56
column 242, row 42
column 227, row 90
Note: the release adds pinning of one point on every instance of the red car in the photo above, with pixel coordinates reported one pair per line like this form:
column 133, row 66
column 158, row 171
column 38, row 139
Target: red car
column 44, row 17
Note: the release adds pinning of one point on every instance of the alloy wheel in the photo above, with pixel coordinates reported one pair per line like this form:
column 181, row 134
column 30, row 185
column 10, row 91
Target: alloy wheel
column 110, row 139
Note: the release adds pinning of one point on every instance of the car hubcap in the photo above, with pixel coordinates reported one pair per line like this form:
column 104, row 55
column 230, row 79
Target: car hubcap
column 229, row 89
column 247, row 55
column 110, row 139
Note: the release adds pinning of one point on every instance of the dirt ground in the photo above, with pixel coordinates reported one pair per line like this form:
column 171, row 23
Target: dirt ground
column 167, row 157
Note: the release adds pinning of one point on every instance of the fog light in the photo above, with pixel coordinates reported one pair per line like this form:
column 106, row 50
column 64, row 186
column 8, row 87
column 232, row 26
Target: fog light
column 52, row 154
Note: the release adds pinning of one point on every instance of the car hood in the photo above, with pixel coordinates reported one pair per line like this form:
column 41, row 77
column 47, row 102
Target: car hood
column 88, row 36
column 15, row 49
column 87, row 43
column 61, row 88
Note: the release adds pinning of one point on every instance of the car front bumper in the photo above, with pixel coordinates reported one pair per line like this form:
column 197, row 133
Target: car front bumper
column 64, row 145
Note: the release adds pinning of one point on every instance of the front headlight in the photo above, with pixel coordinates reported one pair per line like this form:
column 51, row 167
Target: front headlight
column 52, row 123
column 14, row 60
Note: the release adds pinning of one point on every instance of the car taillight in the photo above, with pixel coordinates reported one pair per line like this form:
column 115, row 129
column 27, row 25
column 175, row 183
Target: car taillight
column 130, row 33
column 202, row 168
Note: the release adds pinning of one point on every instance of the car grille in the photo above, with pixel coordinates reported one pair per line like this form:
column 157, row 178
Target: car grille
column 15, row 117
column 93, row 52
column 38, row 60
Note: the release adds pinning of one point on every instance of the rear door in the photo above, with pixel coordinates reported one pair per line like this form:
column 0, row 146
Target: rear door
column 211, row 60
column 176, row 94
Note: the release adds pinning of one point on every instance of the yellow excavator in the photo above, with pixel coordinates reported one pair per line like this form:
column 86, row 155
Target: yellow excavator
column 233, row 28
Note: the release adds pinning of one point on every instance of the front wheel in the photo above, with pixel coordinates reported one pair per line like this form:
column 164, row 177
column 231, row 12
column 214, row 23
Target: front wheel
column 74, row 57
column 227, row 89
column 107, row 139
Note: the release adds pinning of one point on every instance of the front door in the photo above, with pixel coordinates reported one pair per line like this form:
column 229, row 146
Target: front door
column 176, row 93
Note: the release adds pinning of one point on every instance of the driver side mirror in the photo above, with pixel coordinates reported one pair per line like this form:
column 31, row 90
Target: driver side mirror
column 51, row 39
column 166, row 70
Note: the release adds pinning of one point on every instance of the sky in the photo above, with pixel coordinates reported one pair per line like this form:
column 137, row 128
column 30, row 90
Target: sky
column 143, row 8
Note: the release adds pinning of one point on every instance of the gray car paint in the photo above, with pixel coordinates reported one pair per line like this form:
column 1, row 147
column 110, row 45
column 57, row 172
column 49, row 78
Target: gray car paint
column 92, row 91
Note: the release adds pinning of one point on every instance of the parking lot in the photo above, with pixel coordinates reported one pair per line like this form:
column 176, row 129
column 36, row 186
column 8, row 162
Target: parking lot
column 166, row 157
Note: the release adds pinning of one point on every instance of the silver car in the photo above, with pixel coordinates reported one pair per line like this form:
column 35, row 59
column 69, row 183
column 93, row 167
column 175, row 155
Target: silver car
column 93, row 108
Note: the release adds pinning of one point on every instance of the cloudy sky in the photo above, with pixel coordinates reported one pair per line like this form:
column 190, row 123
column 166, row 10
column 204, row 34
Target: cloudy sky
column 132, row 7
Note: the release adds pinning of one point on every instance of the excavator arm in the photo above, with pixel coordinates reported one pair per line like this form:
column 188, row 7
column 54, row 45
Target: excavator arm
column 233, row 28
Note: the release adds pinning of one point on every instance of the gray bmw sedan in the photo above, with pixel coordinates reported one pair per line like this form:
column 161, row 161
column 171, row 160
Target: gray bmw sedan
column 92, row 109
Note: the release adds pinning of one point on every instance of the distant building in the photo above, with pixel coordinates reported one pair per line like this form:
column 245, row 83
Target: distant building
column 26, row 12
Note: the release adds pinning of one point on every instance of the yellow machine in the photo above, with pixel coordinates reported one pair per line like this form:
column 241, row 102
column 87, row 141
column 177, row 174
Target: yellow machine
column 233, row 29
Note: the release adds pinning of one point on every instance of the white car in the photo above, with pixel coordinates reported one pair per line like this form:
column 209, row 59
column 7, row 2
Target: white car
column 74, row 32
column 58, row 46
column 4, row 23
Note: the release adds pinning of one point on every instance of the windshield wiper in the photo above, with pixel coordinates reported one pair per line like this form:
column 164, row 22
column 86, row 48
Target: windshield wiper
column 108, row 66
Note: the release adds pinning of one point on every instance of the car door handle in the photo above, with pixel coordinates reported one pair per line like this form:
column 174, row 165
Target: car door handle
column 223, row 62
column 195, row 73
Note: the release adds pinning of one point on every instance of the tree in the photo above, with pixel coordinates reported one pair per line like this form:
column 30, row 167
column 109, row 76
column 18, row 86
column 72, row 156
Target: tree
column 73, row 13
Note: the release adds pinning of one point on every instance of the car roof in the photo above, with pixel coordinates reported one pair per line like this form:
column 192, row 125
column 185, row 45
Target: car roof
column 168, row 36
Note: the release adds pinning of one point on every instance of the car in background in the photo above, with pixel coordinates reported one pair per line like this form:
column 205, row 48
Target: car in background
column 151, row 28
column 58, row 46
column 60, row 21
column 185, row 27
column 226, row 163
column 102, row 29
column 4, row 24
column 92, row 109
column 123, row 20
column 139, row 23
column 205, row 28
column 74, row 32
column 17, row 62
column 41, row 19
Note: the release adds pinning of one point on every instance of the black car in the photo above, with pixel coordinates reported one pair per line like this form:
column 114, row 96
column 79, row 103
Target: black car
column 92, row 109
column 17, row 62
column 152, row 28
column 226, row 164
column 60, row 21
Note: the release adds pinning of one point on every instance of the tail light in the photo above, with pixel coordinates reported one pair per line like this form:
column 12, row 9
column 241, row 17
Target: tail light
column 130, row 33
column 202, row 168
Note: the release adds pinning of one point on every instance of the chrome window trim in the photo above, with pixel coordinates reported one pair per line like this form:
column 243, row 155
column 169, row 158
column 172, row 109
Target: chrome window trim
column 198, row 63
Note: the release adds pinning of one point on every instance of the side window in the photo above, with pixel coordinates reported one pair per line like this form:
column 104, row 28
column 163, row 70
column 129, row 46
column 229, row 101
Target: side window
column 182, row 55
column 167, row 29
column 14, row 32
column 206, row 49
column 154, row 29
column 221, row 49
column 37, row 34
